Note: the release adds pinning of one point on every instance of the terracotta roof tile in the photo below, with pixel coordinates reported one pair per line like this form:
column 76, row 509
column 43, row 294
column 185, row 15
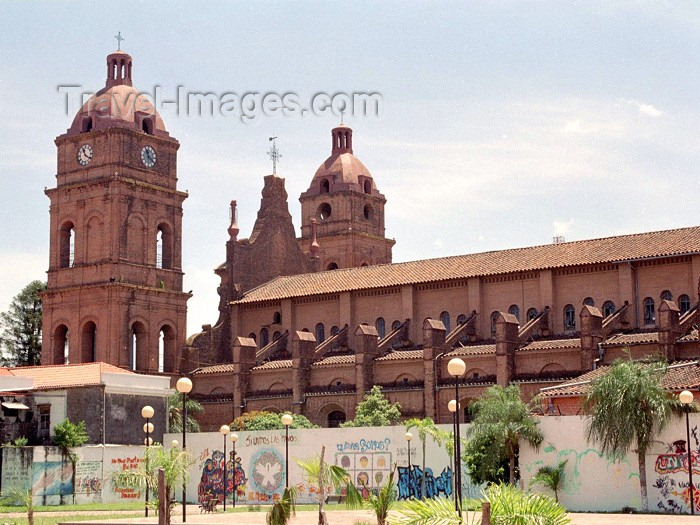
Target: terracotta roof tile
column 336, row 360
column 275, row 365
column 473, row 350
column 596, row 251
column 398, row 355
column 552, row 344
column 65, row 376
column 214, row 369
column 632, row 339
column 691, row 337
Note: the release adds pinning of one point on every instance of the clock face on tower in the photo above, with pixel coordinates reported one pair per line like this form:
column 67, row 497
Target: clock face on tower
column 148, row 156
column 85, row 154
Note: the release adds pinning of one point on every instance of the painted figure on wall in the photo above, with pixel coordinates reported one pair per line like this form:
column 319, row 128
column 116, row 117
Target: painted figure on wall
column 211, row 483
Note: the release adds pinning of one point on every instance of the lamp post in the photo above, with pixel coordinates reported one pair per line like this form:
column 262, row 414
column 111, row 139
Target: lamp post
column 224, row 430
column 287, row 420
column 234, row 438
column 456, row 368
column 686, row 398
column 452, row 407
column 147, row 413
column 174, row 443
column 409, row 437
column 184, row 386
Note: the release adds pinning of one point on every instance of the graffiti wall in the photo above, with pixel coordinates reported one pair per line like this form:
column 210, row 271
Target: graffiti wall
column 594, row 482
column 256, row 471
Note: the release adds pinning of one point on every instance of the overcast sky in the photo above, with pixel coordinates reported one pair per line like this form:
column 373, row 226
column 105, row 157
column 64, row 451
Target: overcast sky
column 503, row 123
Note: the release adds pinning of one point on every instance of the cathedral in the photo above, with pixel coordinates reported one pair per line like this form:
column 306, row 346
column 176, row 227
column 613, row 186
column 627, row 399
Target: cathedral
column 310, row 323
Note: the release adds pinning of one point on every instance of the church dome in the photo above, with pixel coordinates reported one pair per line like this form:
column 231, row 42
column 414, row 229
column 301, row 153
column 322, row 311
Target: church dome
column 118, row 104
column 342, row 170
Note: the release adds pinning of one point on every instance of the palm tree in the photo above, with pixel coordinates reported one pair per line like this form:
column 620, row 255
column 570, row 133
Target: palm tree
column 426, row 427
column 318, row 471
column 551, row 478
column 385, row 498
column 502, row 419
column 627, row 409
column 174, row 461
column 175, row 413
column 448, row 439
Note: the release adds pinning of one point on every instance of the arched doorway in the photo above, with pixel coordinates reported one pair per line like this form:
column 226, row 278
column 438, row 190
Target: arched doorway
column 335, row 418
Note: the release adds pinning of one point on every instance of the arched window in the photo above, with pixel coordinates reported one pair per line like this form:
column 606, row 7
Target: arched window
column 138, row 356
column 569, row 317
column 531, row 313
column 332, row 266
column 666, row 295
column 588, row 301
column 276, row 335
column 461, row 319
column 395, row 325
column 368, row 186
column 381, row 327
column 608, row 308
column 60, row 345
column 325, row 186
column 264, row 337
column 684, row 303
column 335, row 418
column 324, row 211
column 88, row 346
column 649, row 311
column 334, row 330
column 305, row 330
column 368, row 212
column 67, row 245
column 86, row 125
column 164, row 247
column 320, row 333
column 277, row 318
column 147, row 126
column 252, row 336
column 494, row 317
column 445, row 318
column 514, row 310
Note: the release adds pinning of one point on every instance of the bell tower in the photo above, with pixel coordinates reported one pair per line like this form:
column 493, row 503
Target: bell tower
column 348, row 209
column 114, row 289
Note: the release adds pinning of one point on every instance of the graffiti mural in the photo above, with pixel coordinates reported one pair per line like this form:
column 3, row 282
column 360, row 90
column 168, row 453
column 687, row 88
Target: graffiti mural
column 410, row 480
column 671, row 469
column 211, row 480
column 267, row 475
column 369, row 469
column 52, row 478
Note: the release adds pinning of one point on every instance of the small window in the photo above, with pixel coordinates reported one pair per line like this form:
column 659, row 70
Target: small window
column 67, row 245
column 334, row 330
column 253, row 336
column 588, row 301
column 381, row 327
column 445, row 318
column 324, row 211
column 264, row 337
column 531, row 313
column 332, row 266
column 44, row 421
column 276, row 335
column 369, row 212
column 569, row 317
column 608, row 308
column 320, row 333
column 514, row 310
column 494, row 317
column 368, row 186
column 395, row 325
column 666, row 295
column 86, row 125
column 325, row 186
column 684, row 303
column 147, row 126
column 649, row 311
column 405, row 380
column 277, row 318
column 461, row 319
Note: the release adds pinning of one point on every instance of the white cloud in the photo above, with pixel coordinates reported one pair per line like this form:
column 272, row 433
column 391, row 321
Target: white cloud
column 573, row 126
column 646, row 109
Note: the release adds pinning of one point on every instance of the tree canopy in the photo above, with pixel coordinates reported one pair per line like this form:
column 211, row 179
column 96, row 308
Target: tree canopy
column 262, row 420
column 627, row 409
column 175, row 413
column 21, row 327
column 375, row 410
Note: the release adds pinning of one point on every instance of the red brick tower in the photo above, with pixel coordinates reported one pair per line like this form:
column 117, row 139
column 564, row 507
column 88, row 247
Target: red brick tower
column 115, row 271
column 348, row 208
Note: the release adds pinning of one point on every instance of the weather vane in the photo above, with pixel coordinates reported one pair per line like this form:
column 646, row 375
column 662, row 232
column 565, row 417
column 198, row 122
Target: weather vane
column 119, row 38
column 274, row 154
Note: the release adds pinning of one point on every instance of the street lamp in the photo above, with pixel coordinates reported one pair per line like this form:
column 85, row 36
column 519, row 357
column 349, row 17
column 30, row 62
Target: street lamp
column 184, row 386
column 224, row 430
column 452, row 407
column 174, row 443
column 287, row 420
column 234, row 438
column 147, row 413
column 409, row 437
column 686, row 398
column 456, row 368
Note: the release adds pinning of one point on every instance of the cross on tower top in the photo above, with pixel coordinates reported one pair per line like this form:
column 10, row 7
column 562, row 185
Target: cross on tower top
column 119, row 38
column 274, row 154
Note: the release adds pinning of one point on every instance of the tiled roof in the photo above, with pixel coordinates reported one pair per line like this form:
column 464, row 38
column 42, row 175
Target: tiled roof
column 401, row 354
column 687, row 375
column 473, row 350
column 596, row 251
column 65, row 376
column 336, row 360
column 632, row 339
column 214, row 369
column 552, row 344
column 275, row 365
column 691, row 337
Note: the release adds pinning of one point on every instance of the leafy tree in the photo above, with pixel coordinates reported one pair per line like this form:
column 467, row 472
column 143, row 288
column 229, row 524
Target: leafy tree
column 425, row 427
column 21, row 327
column 551, row 477
column 19, row 497
column 262, row 420
column 627, row 409
column 68, row 435
column 174, row 461
column 175, row 413
column 375, row 411
column 486, row 462
column 501, row 420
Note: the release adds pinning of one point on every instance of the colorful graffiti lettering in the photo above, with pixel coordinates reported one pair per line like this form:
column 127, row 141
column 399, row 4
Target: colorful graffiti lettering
column 411, row 479
column 672, row 463
column 211, row 482
column 364, row 445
